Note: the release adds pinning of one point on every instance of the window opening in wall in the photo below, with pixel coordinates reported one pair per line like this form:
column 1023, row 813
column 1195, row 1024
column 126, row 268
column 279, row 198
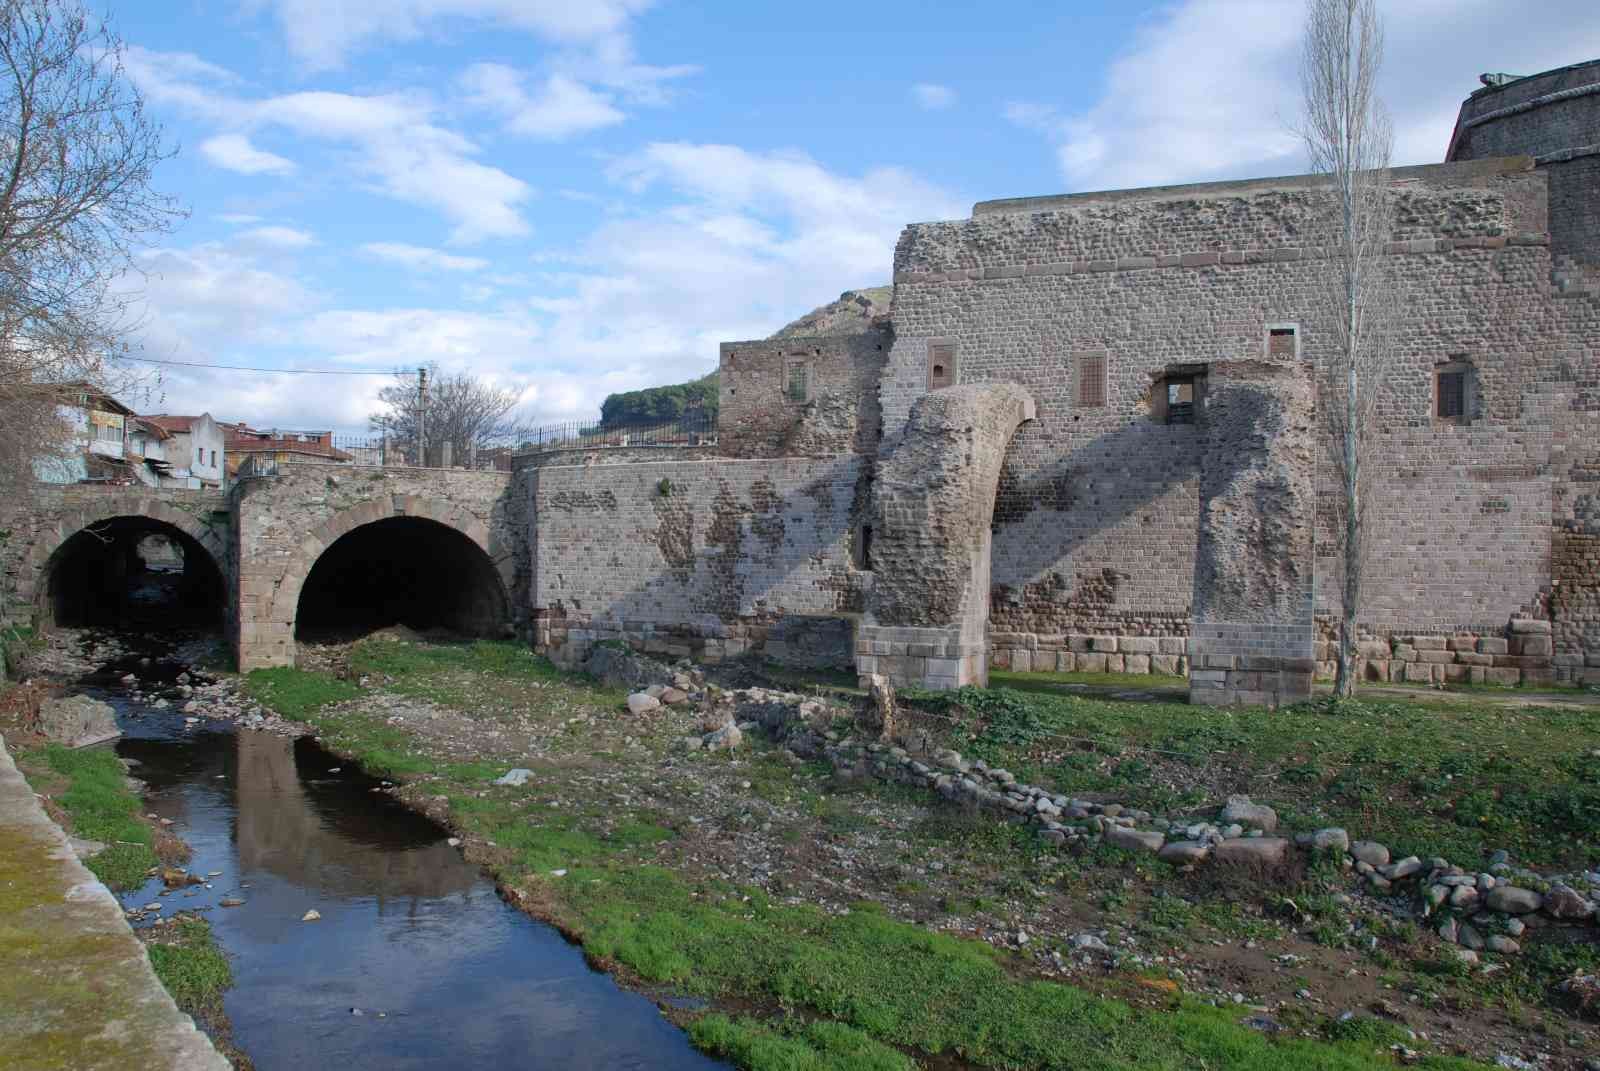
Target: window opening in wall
column 1454, row 392
column 1092, row 380
column 864, row 548
column 1283, row 342
column 941, row 365
column 799, row 382
column 1179, row 395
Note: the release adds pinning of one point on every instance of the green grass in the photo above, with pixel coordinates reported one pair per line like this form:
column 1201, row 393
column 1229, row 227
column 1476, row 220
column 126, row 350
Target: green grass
column 817, row 1046
column 1459, row 779
column 101, row 807
column 454, row 675
column 1050, row 680
column 296, row 693
column 190, row 965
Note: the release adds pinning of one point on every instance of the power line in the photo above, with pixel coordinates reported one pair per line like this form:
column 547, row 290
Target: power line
column 274, row 371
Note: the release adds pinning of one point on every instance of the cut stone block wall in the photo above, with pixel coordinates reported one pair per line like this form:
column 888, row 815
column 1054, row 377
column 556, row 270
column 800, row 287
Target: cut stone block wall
column 705, row 558
column 1251, row 641
column 927, row 616
column 760, row 417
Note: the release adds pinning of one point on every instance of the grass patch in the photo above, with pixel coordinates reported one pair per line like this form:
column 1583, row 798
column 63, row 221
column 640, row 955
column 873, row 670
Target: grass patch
column 818, row 1046
column 1048, row 680
column 1459, row 779
column 190, row 965
column 101, row 807
column 462, row 675
column 296, row 693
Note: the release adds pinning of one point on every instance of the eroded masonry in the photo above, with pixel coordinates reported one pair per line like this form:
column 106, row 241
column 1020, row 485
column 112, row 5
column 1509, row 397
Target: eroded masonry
column 1087, row 439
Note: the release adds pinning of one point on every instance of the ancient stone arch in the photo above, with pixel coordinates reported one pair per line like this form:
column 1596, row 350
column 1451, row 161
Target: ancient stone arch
column 927, row 617
column 33, row 582
column 280, row 616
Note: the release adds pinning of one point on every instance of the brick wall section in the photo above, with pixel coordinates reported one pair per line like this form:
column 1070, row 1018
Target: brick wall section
column 284, row 523
column 936, row 491
column 1575, row 607
column 839, row 415
column 1094, row 528
column 694, row 558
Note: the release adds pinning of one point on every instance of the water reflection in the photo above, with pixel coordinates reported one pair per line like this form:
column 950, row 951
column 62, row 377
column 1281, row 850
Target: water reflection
column 415, row 963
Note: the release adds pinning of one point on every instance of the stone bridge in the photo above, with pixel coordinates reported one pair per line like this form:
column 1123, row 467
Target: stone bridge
column 266, row 559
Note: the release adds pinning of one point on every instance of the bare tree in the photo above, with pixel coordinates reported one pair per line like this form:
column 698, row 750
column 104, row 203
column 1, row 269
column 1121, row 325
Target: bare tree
column 459, row 409
column 1349, row 138
column 77, row 154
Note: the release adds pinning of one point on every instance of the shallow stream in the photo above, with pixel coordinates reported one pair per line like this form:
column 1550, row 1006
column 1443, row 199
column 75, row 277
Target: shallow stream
column 415, row 963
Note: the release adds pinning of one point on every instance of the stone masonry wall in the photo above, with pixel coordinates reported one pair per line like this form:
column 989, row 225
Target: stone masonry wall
column 1095, row 519
column 760, row 417
column 708, row 558
column 283, row 524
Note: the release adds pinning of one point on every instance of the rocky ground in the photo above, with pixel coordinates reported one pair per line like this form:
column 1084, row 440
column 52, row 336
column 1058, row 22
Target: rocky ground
column 790, row 793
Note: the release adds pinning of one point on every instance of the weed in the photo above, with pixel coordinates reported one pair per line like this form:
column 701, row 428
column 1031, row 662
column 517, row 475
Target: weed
column 101, row 807
column 190, row 964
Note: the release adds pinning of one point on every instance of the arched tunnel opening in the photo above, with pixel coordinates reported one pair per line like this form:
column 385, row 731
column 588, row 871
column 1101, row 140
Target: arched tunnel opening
column 401, row 571
column 133, row 572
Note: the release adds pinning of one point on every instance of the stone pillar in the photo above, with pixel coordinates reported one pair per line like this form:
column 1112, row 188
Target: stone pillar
column 1251, row 641
column 928, row 612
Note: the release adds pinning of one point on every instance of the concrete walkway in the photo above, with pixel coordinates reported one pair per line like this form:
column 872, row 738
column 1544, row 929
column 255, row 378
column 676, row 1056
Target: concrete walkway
column 76, row 988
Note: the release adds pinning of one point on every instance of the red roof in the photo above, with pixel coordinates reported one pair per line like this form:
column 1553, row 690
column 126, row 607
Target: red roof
column 234, row 445
column 172, row 423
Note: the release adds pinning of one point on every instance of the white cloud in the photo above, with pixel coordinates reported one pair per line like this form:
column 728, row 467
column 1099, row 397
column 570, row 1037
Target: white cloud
column 420, row 258
column 275, row 237
column 321, row 34
column 560, row 108
column 235, row 153
column 399, row 146
column 933, row 97
column 1209, row 88
column 239, row 218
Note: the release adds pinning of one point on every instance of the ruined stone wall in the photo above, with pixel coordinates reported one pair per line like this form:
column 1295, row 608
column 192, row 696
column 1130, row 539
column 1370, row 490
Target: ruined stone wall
column 760, row 416
column 1094, row 527
column 284, row 523
column 707, row 558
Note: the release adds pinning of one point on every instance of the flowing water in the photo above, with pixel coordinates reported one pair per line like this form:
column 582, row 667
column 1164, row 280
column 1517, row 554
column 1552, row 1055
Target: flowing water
column 416, row 961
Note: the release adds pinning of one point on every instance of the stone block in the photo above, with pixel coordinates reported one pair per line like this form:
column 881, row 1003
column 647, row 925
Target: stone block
column 1378, row 649
column 1294, row 686
column 1469, row 658
column 1477, row 675
column 1492, row 645
column 1078, row 643
column 1419, row 673
column 1503, row 675
column 1543, row 675
column 1091, row 663
column 1136, row 663
column 1164, row 663
column 1327, row 670
column 1209, row 676
column 1457, row 673
column 1531, row 644
column 1377, row 670
column 1114, row 663
column 1000, row 658
column 1428, row 643
column 1145, row 645
column 1021, row 661
column 1244, row 680
column 1175, row 645
column 1437, row 658
column 1103, row 644
column 1404, row 652
column 1523, row 625
column 1462, row 641
column 1066, row 662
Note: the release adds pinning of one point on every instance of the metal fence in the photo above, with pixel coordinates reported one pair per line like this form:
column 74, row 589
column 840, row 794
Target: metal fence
column 696, row 429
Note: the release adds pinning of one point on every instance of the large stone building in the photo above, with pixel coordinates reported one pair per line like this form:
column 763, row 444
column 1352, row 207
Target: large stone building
column 1087, row 440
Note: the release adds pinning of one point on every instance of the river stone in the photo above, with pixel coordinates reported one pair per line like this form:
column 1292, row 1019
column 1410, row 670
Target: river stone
column 1370, row 852
column 1469, row 937
column 1135, row 840
column 1253, row 851
column 519, row 776
column 1510, row 900
column 1241, row 810
column 1405, row 868
column 673, row 696
column 640, row 703
column 1565, row 902
column 1184, row 852
column 1330, row 840
column 77, row 721
column 1503, row 945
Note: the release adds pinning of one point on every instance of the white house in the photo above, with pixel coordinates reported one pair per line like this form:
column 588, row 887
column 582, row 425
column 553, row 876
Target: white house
column 194, row 450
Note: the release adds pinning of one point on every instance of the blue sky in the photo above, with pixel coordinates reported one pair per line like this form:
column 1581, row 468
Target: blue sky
column 572, row 198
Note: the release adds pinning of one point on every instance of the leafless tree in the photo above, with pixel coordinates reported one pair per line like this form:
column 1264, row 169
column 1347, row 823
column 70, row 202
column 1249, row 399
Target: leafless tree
column 1348, row 137
column 460, row 409
column 77, row 153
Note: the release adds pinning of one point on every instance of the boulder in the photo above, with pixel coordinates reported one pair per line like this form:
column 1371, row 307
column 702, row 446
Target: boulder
column 1253, row 851
column 618, row 667
column 1565, row 902
column 1330, row 840
column 726, row 738
column 1135, row 840
column 672, row 696
column 1510, row 900
column 1241, row 810
column 516, row 777
column 77, row 721
column 1370, row 852
column 640, row 703
column 1184, row 852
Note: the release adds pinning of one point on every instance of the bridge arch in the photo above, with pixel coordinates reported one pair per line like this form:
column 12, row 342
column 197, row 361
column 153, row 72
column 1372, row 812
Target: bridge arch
column 407, row 559
column 73, row 564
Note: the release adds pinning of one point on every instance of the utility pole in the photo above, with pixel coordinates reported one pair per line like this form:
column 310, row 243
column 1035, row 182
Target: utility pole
column 422, row 417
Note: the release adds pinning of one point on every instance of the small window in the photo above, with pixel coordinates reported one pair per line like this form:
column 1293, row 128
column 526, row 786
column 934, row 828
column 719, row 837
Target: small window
column 213, row 458
column 1092, row 380
column 798, row 386
column 941, row 365
column 1454, row 392
column 863, row 548
column 1179, row 395
column 1282, row 342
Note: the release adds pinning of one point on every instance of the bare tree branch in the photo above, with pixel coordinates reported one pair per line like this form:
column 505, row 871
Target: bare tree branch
column 461, row 410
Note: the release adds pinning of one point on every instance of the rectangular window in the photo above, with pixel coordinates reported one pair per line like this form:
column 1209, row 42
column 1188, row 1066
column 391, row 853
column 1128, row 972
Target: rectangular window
column 213, row 458
column 1283, row 342
column 798, row 386
column 1180, row 402
column 1452, row 395
column 1092, row 380
column 941, row 365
